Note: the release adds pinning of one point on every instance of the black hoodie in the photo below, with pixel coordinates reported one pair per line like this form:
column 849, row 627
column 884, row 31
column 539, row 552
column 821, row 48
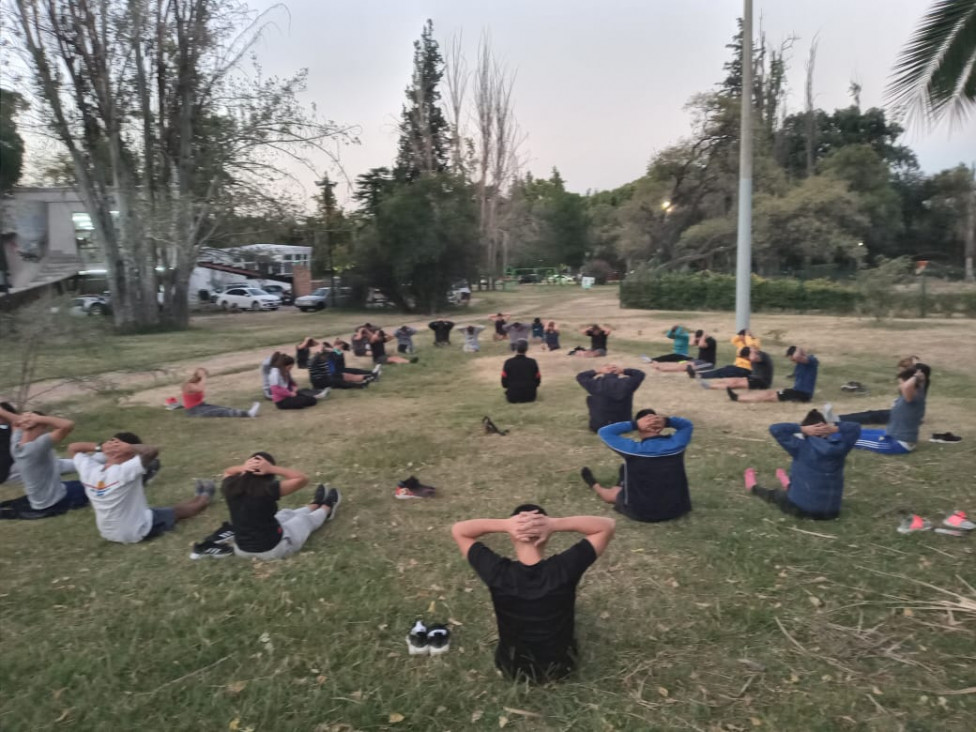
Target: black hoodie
column 611, row 396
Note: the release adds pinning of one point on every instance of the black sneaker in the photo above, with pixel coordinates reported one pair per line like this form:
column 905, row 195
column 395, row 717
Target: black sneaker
column 438, row 639
column 223, row 535
column 732, row 395
column 852, row 386
column 690, row 370
column 417, row 488
column 210, row 550
column 587, row 475
column 417, row 640
column 945, row 438
column 150, row 471
column 319, row 496
column 332, row 499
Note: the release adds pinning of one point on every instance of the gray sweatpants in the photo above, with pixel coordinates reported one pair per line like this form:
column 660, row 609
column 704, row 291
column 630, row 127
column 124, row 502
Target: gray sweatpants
column 212, row 410
column 296, row 526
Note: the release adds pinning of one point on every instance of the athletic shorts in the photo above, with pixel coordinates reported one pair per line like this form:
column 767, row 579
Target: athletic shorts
column 792, row 395
column 402, row 347
column 381, row 359
column 599, row 351
column 163, row 520
column 758, row 383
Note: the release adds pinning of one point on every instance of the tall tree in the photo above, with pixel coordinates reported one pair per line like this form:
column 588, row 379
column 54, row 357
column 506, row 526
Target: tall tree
column 424, row 132
column 936, row 72
column 11, row 143
column 160, row 130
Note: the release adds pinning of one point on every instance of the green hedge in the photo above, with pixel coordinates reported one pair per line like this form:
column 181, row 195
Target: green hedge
column 711, row 291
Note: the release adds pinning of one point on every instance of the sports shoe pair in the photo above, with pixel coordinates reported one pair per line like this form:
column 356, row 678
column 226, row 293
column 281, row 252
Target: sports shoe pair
column 945, row 438
column 217, row 545
column 956, row 522
column 433, row 640
column 413, row 488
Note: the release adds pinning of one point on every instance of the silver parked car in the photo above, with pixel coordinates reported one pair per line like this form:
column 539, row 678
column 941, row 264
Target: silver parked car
column 320, row 299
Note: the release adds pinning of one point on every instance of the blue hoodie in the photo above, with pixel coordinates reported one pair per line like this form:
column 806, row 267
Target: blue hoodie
column 817, row 473
column 680, row 337
column 653, row 483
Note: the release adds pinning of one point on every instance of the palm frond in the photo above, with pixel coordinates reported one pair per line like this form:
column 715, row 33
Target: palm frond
column 936, row 71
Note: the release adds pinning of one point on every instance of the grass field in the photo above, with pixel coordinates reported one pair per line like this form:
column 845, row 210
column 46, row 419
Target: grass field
column 734, row 618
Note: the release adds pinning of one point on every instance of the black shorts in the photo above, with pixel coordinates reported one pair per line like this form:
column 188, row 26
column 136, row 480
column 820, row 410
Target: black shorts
column 757, row 383
column 402, row 347
column 792, row 395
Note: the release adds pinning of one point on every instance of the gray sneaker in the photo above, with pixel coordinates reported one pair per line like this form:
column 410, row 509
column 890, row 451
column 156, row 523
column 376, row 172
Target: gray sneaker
column 829, row 415
column 206, row 488
column 332, row 499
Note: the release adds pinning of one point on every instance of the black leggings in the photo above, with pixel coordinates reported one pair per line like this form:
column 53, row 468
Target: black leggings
column 779, row 497
column 301, row 400
column 671, row 358
column 877, row 416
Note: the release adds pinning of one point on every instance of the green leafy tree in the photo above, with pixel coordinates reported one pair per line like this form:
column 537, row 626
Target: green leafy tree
column 11, row 143
column 424, row 132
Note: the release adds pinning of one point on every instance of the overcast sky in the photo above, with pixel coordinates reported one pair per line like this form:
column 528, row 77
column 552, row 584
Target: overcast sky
column 601, row 85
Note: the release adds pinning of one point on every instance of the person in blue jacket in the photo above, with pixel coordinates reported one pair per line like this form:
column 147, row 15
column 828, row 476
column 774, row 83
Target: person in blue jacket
column 815, row 485
column 652, row 483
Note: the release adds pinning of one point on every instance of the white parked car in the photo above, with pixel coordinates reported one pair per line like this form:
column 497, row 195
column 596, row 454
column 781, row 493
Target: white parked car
column 247, row 298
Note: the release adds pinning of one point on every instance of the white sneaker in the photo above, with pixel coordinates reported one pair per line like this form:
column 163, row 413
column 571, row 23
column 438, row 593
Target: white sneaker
column 255, row 408
column 377, row 371
column 828, row 413
column 324, row 393
column 417, row 640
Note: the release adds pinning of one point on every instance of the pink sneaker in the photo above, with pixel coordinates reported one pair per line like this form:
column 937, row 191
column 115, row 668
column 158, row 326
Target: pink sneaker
column 750, row 476
column 958, row 520
column 914, row 523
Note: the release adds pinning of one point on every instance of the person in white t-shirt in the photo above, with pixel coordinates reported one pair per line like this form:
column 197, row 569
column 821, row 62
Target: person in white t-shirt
column 115, row 490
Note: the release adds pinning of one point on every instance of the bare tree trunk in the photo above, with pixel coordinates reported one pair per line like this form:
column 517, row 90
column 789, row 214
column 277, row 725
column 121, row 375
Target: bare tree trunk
column 969, row 235
column 456, row 75
column 811, row 121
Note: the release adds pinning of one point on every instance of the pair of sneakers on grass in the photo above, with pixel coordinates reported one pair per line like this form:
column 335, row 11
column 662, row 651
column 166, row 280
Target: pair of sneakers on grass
column 430, row 640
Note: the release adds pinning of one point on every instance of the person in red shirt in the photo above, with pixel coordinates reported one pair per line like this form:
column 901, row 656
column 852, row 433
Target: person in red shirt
column 194, row 389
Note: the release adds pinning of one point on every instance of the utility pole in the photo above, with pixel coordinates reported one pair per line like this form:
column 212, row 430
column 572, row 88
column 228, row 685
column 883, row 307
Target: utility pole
column 743, row 250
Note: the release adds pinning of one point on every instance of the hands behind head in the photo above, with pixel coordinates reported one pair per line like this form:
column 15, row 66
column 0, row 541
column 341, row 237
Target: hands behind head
column 823, row 429
column 258, row 465
column 26, row 421
column 530, row 528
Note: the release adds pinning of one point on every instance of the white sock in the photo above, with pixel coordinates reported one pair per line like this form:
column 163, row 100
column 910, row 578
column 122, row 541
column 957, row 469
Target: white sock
column 255, row 408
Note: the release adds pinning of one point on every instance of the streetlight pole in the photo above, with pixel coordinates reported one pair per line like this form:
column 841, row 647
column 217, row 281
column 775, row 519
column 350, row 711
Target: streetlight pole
column 743, row 251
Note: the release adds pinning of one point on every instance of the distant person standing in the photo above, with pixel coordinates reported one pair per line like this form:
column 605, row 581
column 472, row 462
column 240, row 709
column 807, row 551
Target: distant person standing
column 521, row 376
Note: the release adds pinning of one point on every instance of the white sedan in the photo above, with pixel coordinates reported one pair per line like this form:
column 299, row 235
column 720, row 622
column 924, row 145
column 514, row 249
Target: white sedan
column 247, row 298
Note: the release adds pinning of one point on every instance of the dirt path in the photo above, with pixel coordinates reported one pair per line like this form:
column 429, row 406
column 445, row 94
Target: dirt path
column 938, row 341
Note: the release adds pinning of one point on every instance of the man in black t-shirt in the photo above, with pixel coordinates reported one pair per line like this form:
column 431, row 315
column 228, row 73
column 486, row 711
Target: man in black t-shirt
column 521, row 376
column 534, row 596
column 598, row 342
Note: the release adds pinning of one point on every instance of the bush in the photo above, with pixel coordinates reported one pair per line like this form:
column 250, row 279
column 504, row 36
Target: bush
column 874, row 295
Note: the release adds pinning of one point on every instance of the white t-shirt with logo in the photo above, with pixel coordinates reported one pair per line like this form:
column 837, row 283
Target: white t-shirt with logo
column 121, row 511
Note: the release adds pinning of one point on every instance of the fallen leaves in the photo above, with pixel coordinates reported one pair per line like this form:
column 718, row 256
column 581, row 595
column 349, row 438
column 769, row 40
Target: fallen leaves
column 396, row 718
